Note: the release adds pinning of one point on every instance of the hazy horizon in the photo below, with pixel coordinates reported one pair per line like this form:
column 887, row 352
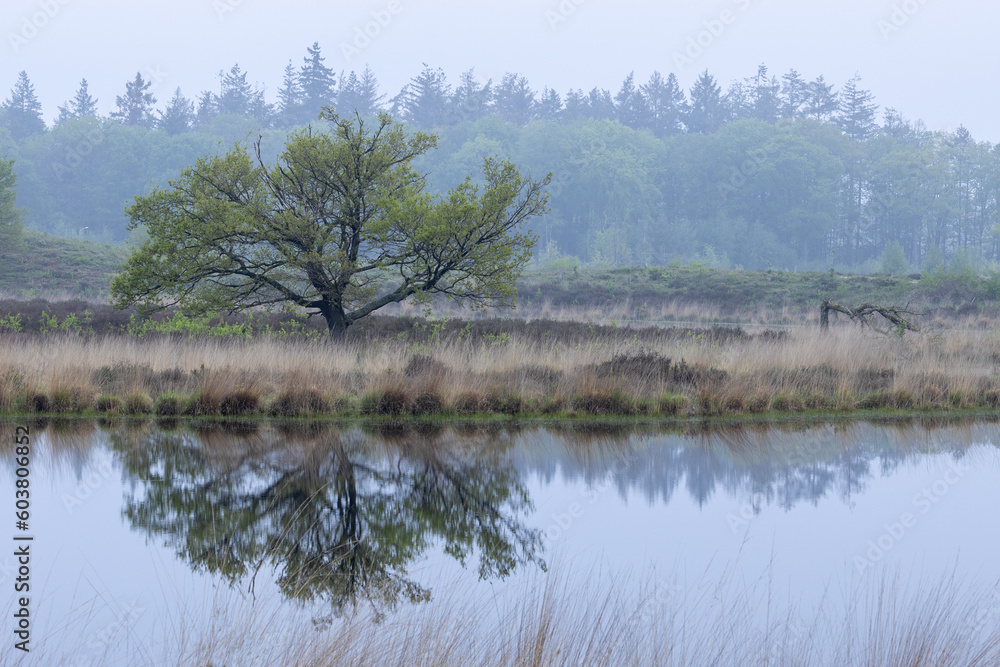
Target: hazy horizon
column 920, row 57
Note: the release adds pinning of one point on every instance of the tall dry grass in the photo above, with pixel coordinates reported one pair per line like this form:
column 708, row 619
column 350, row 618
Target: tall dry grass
column 843, row 369
column 611, row 621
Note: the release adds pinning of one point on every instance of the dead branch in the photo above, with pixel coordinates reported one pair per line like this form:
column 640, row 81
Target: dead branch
column 863, row 314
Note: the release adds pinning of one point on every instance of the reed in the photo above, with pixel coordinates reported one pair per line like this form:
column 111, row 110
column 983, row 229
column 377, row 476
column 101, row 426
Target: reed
column 705, row 372
column 608, row 621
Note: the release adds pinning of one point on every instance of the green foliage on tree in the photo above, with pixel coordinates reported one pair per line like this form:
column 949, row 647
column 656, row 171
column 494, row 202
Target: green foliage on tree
column 340, row 226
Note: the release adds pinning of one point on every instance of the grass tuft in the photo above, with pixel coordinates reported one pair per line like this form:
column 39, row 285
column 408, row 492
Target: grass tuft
column 108, row 404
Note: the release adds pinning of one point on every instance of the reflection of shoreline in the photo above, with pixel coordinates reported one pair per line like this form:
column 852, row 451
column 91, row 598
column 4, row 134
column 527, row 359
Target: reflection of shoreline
column 787, row 462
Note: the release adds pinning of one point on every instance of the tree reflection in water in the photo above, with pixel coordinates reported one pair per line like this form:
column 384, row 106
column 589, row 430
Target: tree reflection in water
column 337, row 514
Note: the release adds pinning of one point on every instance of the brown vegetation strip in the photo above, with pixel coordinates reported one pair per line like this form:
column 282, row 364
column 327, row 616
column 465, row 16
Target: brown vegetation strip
column 642, row 372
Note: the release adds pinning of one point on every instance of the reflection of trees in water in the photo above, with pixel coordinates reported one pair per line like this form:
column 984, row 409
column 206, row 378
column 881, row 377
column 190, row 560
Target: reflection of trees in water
column 769, row 464
column 338, row 515
column 341, row 515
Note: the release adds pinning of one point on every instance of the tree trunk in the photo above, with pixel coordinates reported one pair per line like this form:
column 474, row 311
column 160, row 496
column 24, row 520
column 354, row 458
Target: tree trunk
column 336, row 322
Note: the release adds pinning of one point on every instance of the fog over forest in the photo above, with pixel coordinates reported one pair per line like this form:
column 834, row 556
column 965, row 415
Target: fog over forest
column 721, row 139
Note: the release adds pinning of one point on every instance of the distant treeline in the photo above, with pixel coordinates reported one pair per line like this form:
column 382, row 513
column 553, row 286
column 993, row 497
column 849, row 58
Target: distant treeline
column 781, row 172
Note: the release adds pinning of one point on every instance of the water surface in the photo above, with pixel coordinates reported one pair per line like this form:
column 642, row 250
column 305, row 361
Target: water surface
column 145, row 532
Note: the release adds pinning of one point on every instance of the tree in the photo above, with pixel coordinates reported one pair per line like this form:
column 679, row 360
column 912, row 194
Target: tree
column 765, row 96
column 794, row 94
column 705, row 111
column 317, row 83
column 857, row 111
column 11, row 226
column 80, row 106
column 823, row 102
column 549, row 104
column 289, row 107
column 179, row 116
column 208, row 108
column 514, row 100
column 340, row 226
column 575, row 105
column 630, row 105
column 238, row 97
column 664, row 104
column 471, row 101
column 135, row 107
column 359, row 94
column 425, row 101
column 22, row 110
column 335, row 522
column 893, row 260
column 600, row 103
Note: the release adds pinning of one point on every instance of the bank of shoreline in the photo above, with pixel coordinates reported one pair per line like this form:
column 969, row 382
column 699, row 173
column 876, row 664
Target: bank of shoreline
column 535, row 373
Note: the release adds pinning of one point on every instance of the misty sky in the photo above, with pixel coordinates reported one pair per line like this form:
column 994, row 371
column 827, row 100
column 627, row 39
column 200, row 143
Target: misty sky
column 931, row 59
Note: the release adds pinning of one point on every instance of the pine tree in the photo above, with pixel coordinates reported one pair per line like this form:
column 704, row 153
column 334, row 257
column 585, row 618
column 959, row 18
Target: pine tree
column 794, row 94
column 238, row 97
column 705, row 112
column 207, row 109
column 317, row 83
column 738, row 101
column 764, row 96
column 426, row 100
column 823, row 102
column 359, row 94
column 179, row 115
column 471, row 100
column 575, row 105
column 630, row 106
column 896, row 126
column 80, row 106
column 135, row 107
column 857, row 112
column 600, row 104
column 664, row 102
column 513, row 99
column 289, row 109
column 22, row 110
column 549, row 105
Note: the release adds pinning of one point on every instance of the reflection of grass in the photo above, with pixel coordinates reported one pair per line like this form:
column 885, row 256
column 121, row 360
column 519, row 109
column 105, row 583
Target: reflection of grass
column 845, row 369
